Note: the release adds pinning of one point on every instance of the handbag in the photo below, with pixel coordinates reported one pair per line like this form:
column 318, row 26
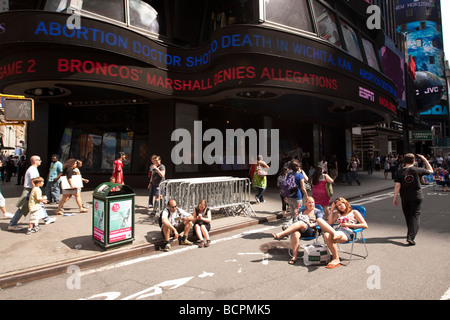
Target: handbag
column 77, row 182
column 329, row 188
column 316, row 254
column 260, row 171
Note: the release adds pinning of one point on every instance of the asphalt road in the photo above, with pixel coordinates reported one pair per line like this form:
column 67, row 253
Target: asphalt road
column 247, row 264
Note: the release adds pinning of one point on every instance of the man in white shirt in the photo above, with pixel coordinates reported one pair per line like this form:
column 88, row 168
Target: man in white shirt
column 174, row 221
column 22, row 203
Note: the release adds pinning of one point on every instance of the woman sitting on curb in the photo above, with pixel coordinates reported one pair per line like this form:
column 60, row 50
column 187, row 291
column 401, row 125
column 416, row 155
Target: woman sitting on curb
column 202, row 223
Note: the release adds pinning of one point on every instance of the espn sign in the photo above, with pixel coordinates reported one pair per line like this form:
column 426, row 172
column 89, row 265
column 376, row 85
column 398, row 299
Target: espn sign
column 366, row 94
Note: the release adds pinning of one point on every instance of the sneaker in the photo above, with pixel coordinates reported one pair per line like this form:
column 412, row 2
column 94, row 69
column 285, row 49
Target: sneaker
column 14, row 228
column 186, row 242
column 31, row 231
column 257, row 199
column 8, row 215
column 167, row 247
column 50, row 220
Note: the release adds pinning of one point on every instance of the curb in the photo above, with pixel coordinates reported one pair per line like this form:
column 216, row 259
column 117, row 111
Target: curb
column 15, row 278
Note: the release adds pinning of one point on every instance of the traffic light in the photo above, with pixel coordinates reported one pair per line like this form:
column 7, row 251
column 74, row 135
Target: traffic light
column 19, row 109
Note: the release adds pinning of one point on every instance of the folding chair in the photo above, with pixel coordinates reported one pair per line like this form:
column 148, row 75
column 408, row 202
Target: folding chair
column 358, row 235
column 316, row 236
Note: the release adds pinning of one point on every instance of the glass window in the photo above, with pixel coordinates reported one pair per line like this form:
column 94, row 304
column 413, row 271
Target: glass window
column 104, row 132
column 221, row 13
column 56, row 5
column 326, row 24
column 114, row 9
column 186, row 20
column 351, row 40
column 108, row 151
column 292, row 13
column 64, row 147
column 148, row 15
column 371, row 54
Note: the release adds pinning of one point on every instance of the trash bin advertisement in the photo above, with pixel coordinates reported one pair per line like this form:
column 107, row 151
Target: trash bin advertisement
column 99, row 220
column 120, row 220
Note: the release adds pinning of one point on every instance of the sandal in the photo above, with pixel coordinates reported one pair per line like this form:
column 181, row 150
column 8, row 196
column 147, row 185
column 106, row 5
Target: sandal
column 292, row 262
column 59, row 213
column 275, row 237
column 332, row 266
column 83, row 210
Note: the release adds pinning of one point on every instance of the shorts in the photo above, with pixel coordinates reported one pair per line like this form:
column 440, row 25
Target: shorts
column 70, row 191
column 35, row 216
column 179, row 227
column 349, row 233
column 203, row 223
column 293, row 204
column 156, row 190
column 309, row 233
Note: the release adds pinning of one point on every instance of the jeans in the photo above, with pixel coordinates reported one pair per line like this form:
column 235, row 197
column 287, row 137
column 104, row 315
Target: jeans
column 259, row 194
column 14, row 220
column 52, row 191
column 153, row 192
column 411, row 211
column 353, row 175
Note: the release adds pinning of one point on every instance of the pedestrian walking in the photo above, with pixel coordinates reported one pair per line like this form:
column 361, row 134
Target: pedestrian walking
column 319, row 179
column 22, row 204
column 333, row 167
column 34, row 205
column 260, row 178
column 118, row 168
column 52, row 190
column 353, row 172
column 295, row 200
column 157, row 174
column 69, row 172
column 408, row 186
column 6, row 214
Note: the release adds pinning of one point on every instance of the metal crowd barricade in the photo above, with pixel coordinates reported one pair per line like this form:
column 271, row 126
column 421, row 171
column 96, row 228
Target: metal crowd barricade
column 230, row 194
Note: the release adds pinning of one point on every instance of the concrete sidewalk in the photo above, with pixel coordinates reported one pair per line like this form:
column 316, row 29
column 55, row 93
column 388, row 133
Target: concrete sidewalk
column 68, row 241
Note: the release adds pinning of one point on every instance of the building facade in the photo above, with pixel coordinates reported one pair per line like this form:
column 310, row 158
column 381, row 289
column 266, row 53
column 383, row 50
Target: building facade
column 421, row 23
column 123, row 75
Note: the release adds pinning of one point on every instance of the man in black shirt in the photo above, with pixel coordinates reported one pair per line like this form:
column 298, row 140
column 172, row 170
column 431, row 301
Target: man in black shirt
column 407, row 184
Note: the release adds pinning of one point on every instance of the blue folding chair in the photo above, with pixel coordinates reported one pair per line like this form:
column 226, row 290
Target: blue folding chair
column 358, row 235
column 317, row 231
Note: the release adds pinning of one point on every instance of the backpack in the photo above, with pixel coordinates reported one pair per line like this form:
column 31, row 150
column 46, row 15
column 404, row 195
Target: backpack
column 160, row 217
column 288, row 187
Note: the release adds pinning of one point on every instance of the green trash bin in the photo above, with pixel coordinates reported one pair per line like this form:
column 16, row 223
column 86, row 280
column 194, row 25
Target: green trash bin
column 113, row 218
